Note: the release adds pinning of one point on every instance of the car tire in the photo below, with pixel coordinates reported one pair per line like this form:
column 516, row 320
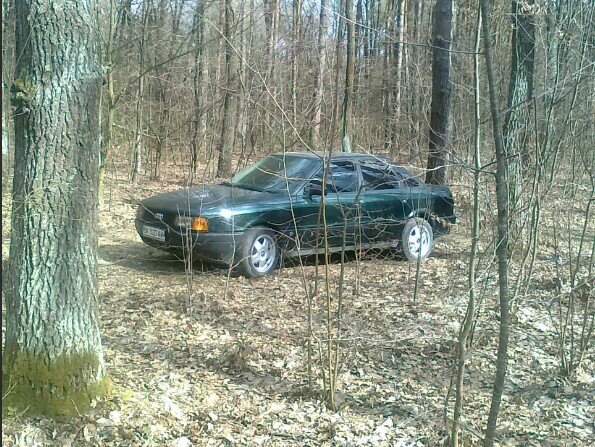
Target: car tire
column 259, row 253
column 417, row 239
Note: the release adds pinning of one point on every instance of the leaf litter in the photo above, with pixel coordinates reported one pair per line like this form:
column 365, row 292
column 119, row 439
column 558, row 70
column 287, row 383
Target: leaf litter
column 228, row 366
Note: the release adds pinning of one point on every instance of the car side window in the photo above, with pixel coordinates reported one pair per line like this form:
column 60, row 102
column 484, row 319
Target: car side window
column 378, row 177
column 341, row 177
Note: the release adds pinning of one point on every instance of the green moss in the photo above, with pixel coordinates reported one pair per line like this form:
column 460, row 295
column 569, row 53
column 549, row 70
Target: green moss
column 63, row 386
column 22, row 93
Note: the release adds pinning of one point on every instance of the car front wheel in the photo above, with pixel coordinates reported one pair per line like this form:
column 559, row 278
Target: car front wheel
column 259, row 253
column 418, row 239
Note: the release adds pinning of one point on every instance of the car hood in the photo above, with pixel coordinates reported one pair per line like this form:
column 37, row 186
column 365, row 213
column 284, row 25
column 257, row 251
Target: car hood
column 208, row 199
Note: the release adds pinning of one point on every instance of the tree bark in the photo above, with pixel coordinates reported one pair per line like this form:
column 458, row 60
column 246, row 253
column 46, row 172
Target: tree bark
column 200, row 77
column 53, row 362
column 395, row 111
column 8, row 59
column 467, row 323
column 272, row 18
column 520, row 91
column 502, row 252
column 441, row 89
column 349, row 76
column 106, row 141
column 297, row 22
column 224, row 162
column 387, row 66
column 137, row 144
column 338, row 65
column 319, row 81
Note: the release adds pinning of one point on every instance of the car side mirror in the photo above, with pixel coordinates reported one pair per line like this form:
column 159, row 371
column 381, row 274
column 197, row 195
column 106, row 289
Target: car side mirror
column 313, row 188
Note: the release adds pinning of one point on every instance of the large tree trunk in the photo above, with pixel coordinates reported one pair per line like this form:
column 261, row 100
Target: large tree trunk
column 440, row 108
column 502, row 252
column 319, row 81
column 53, row 361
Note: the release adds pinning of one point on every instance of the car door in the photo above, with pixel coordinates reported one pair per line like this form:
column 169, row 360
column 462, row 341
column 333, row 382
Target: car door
column 340, row 208
column 385, row 203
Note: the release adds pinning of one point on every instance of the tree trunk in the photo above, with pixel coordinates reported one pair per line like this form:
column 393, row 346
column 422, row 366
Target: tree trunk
column 338, row 64
column 297, row 12
column 8, row 60
column 387, row 90
column 517, row 120
column 441, row 89
column 200, row 77
column 467, row 323
column 109, row 124
column 225, row 153
column 53, row 362
column 137, row 144
column 349, row 75
column 319, row 81
column 106, row 140
column 395, row 117
column 502, row 244
column 272, row 18
column 243, row 93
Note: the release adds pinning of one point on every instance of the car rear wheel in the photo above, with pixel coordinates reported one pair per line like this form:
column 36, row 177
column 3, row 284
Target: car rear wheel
column 418, row 239
column 259, row 253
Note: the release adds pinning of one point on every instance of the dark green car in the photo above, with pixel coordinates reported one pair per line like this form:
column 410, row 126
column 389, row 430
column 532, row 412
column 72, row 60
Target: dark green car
column 299, row 203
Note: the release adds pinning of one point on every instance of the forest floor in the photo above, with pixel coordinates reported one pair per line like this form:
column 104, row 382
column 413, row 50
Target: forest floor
column 227, row 365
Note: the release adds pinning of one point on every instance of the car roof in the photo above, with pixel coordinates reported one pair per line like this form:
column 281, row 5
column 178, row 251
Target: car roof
column 334, row 155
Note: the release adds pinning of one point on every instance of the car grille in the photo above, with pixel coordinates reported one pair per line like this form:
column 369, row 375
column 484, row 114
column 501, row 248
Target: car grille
column 154, row 216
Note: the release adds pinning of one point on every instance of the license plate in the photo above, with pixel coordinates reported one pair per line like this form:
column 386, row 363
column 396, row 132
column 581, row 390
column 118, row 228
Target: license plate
column 154, row 233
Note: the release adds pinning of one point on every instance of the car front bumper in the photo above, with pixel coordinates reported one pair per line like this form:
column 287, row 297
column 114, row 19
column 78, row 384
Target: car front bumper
column 213, row 247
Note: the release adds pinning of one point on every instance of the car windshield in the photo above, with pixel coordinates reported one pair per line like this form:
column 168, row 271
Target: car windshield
column 276, row 173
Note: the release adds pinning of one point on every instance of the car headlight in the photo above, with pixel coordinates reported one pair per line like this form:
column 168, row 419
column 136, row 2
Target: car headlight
column 140, row 211
column 195, row 223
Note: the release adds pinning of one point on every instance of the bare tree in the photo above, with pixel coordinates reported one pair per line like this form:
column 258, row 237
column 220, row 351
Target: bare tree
column 200, row 76
column 138, row 123
column 319, row 80
column 107, row 132
column 502, row 251
column 297, row 24
column 225, row 153
column 441, row 90
column 467, row 323
column 349, row 75
column 517, row 121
